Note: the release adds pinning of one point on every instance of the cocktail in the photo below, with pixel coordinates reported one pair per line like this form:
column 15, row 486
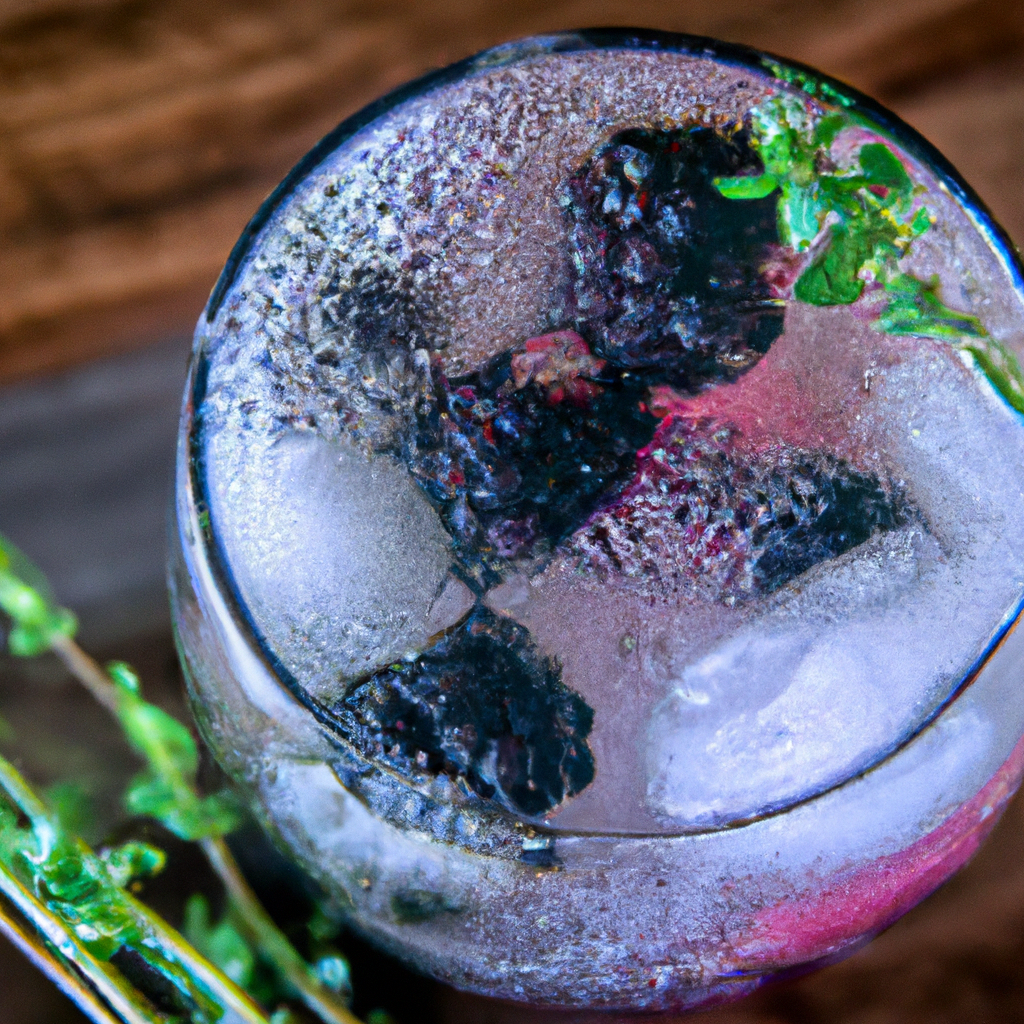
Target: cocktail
column 600, row 523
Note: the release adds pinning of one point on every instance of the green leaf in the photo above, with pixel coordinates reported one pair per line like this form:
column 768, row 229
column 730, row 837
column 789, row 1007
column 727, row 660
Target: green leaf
column 21, row 602
column 184, row 813
column 1001, row 368
column 916, row 309
column 66, row 873
column 801, row 213
column 220, row 943
column 164, row 741
column 25, row 598
column 922, row 221
column 151, row 797
column 826, row 130
column 124, row 677
column 14, row 562
column 166, row 789
column 750, row 187
column 882, row 167
column 31, row 641
column 133, row 860
column 832, row 279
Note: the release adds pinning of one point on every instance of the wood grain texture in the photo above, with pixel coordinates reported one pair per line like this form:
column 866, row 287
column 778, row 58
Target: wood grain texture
column 138, row 136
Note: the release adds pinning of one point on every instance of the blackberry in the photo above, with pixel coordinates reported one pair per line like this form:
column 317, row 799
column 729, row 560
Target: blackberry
column 482, row 705
column 518, row 455
column 666, row 270
column 701, row 510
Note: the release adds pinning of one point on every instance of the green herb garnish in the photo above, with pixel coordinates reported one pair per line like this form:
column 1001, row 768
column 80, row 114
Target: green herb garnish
column 83, row 923
column 854, row 224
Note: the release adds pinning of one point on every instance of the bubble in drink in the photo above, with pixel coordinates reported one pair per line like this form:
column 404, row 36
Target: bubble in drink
column 601, row 520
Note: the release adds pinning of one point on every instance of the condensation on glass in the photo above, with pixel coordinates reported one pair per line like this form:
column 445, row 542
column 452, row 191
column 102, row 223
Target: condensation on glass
column 599, row 513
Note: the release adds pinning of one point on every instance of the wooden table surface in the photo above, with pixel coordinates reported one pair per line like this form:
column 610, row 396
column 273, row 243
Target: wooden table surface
column 138, row 136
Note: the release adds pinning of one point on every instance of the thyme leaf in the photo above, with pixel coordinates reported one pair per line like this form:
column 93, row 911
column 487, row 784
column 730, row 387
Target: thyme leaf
column 855, row 224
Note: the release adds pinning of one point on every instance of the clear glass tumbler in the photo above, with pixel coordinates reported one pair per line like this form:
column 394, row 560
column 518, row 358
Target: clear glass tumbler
column 600, row 535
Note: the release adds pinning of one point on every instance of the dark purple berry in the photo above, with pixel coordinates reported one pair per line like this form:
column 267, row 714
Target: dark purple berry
column 482, row 705
column 517, row 456
column 703, row 510
column 666, row 271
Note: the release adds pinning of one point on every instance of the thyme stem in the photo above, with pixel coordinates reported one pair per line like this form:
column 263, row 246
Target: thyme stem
column 264, row 934
column 86, row 670
column 71, row 953
column 56, row 968
column 129, row 1007
column 259, row 926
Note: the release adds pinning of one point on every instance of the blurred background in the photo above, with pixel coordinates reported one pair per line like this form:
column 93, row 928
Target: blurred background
column 137, row 137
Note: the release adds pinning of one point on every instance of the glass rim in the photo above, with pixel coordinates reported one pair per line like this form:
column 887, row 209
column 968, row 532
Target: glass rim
column 782, row 71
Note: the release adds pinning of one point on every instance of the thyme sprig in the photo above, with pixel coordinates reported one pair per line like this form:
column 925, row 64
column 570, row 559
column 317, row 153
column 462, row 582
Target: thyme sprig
column 853, row 225
column 76, row 900
column 855, row 222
